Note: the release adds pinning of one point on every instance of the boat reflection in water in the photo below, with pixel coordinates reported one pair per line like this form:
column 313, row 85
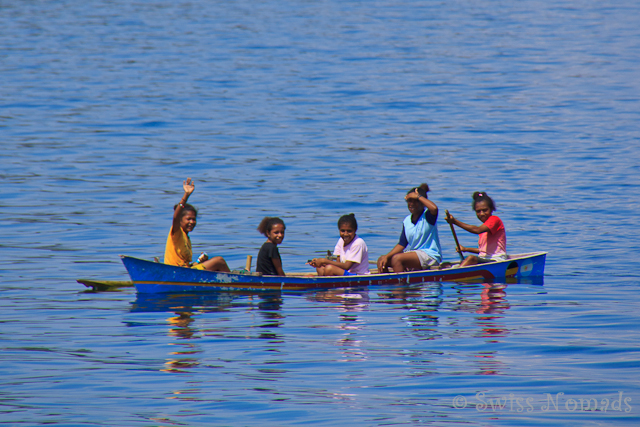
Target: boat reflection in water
column 206, row 302
column 186, row 307
column 427, row 311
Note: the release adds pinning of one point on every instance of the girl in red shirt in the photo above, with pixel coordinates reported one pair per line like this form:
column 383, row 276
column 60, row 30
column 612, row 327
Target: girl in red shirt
column 492, row 239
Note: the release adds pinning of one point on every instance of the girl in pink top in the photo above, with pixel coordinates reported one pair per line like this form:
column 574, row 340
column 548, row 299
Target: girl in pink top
column 352, row 252
column 492, row 239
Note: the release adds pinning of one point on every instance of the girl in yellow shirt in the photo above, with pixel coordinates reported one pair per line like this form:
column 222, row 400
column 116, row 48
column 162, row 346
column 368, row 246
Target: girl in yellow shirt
column 178, row 250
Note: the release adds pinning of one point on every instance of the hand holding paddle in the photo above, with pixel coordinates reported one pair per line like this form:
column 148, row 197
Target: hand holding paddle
column 450, row 220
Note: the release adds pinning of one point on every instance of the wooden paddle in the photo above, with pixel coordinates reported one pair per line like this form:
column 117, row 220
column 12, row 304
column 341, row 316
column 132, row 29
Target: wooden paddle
column 455, row 237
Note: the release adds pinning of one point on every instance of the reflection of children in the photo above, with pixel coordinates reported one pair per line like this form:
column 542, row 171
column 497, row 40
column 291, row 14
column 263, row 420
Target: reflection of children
column 492, row 239
column 352, row 252
column 178, row 248
column 269, row 262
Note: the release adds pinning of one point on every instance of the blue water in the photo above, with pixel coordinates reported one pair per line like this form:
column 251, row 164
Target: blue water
column 310, row 110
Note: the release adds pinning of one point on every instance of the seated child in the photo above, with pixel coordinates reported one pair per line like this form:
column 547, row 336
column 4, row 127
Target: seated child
column 352, row 252
column 269, row 262
column 419, row 244
column 178, row 247
column 492, row 239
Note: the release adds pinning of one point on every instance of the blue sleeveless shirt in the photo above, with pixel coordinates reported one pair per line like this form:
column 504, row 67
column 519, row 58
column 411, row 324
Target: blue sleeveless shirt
column 422, row 235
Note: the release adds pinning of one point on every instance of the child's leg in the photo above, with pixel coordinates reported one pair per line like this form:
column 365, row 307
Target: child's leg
column 405, row 261
column 216, row 264
column 330, row 270
column 470, row 260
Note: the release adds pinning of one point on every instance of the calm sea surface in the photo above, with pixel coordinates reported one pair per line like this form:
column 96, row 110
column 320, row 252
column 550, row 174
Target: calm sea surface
column 309, row 110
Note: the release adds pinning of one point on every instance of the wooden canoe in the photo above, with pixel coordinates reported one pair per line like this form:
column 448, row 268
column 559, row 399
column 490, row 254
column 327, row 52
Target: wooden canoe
column 153, row 277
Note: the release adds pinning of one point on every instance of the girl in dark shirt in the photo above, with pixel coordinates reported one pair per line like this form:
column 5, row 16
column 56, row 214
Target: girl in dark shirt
column 269, row 262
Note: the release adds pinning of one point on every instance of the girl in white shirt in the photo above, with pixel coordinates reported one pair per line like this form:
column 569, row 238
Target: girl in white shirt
column 352, row 252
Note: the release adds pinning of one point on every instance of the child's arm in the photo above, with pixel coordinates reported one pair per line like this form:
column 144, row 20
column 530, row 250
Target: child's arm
column 470, row 250
column 319, row 262
column 188, row 187
column 433, row 209
column 384, row 259
column 475, row 229
column 277, row 263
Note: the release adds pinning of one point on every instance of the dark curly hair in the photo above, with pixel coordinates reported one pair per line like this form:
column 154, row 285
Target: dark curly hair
column 186, row 208
column 423, row 189
column 267, row 224
column 482, row 196
column 349, row 220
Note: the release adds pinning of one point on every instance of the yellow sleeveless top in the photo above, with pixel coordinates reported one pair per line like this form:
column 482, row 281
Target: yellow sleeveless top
column 178, row 250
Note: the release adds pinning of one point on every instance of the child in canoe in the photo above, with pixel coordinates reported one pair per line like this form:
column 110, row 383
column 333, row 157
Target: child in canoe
column 352, row 252
column 178, row 249
column 419, row 244
column 269, row 262
column 492, row 239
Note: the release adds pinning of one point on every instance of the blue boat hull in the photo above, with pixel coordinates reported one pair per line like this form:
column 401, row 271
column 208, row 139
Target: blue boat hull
column 153, row 277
